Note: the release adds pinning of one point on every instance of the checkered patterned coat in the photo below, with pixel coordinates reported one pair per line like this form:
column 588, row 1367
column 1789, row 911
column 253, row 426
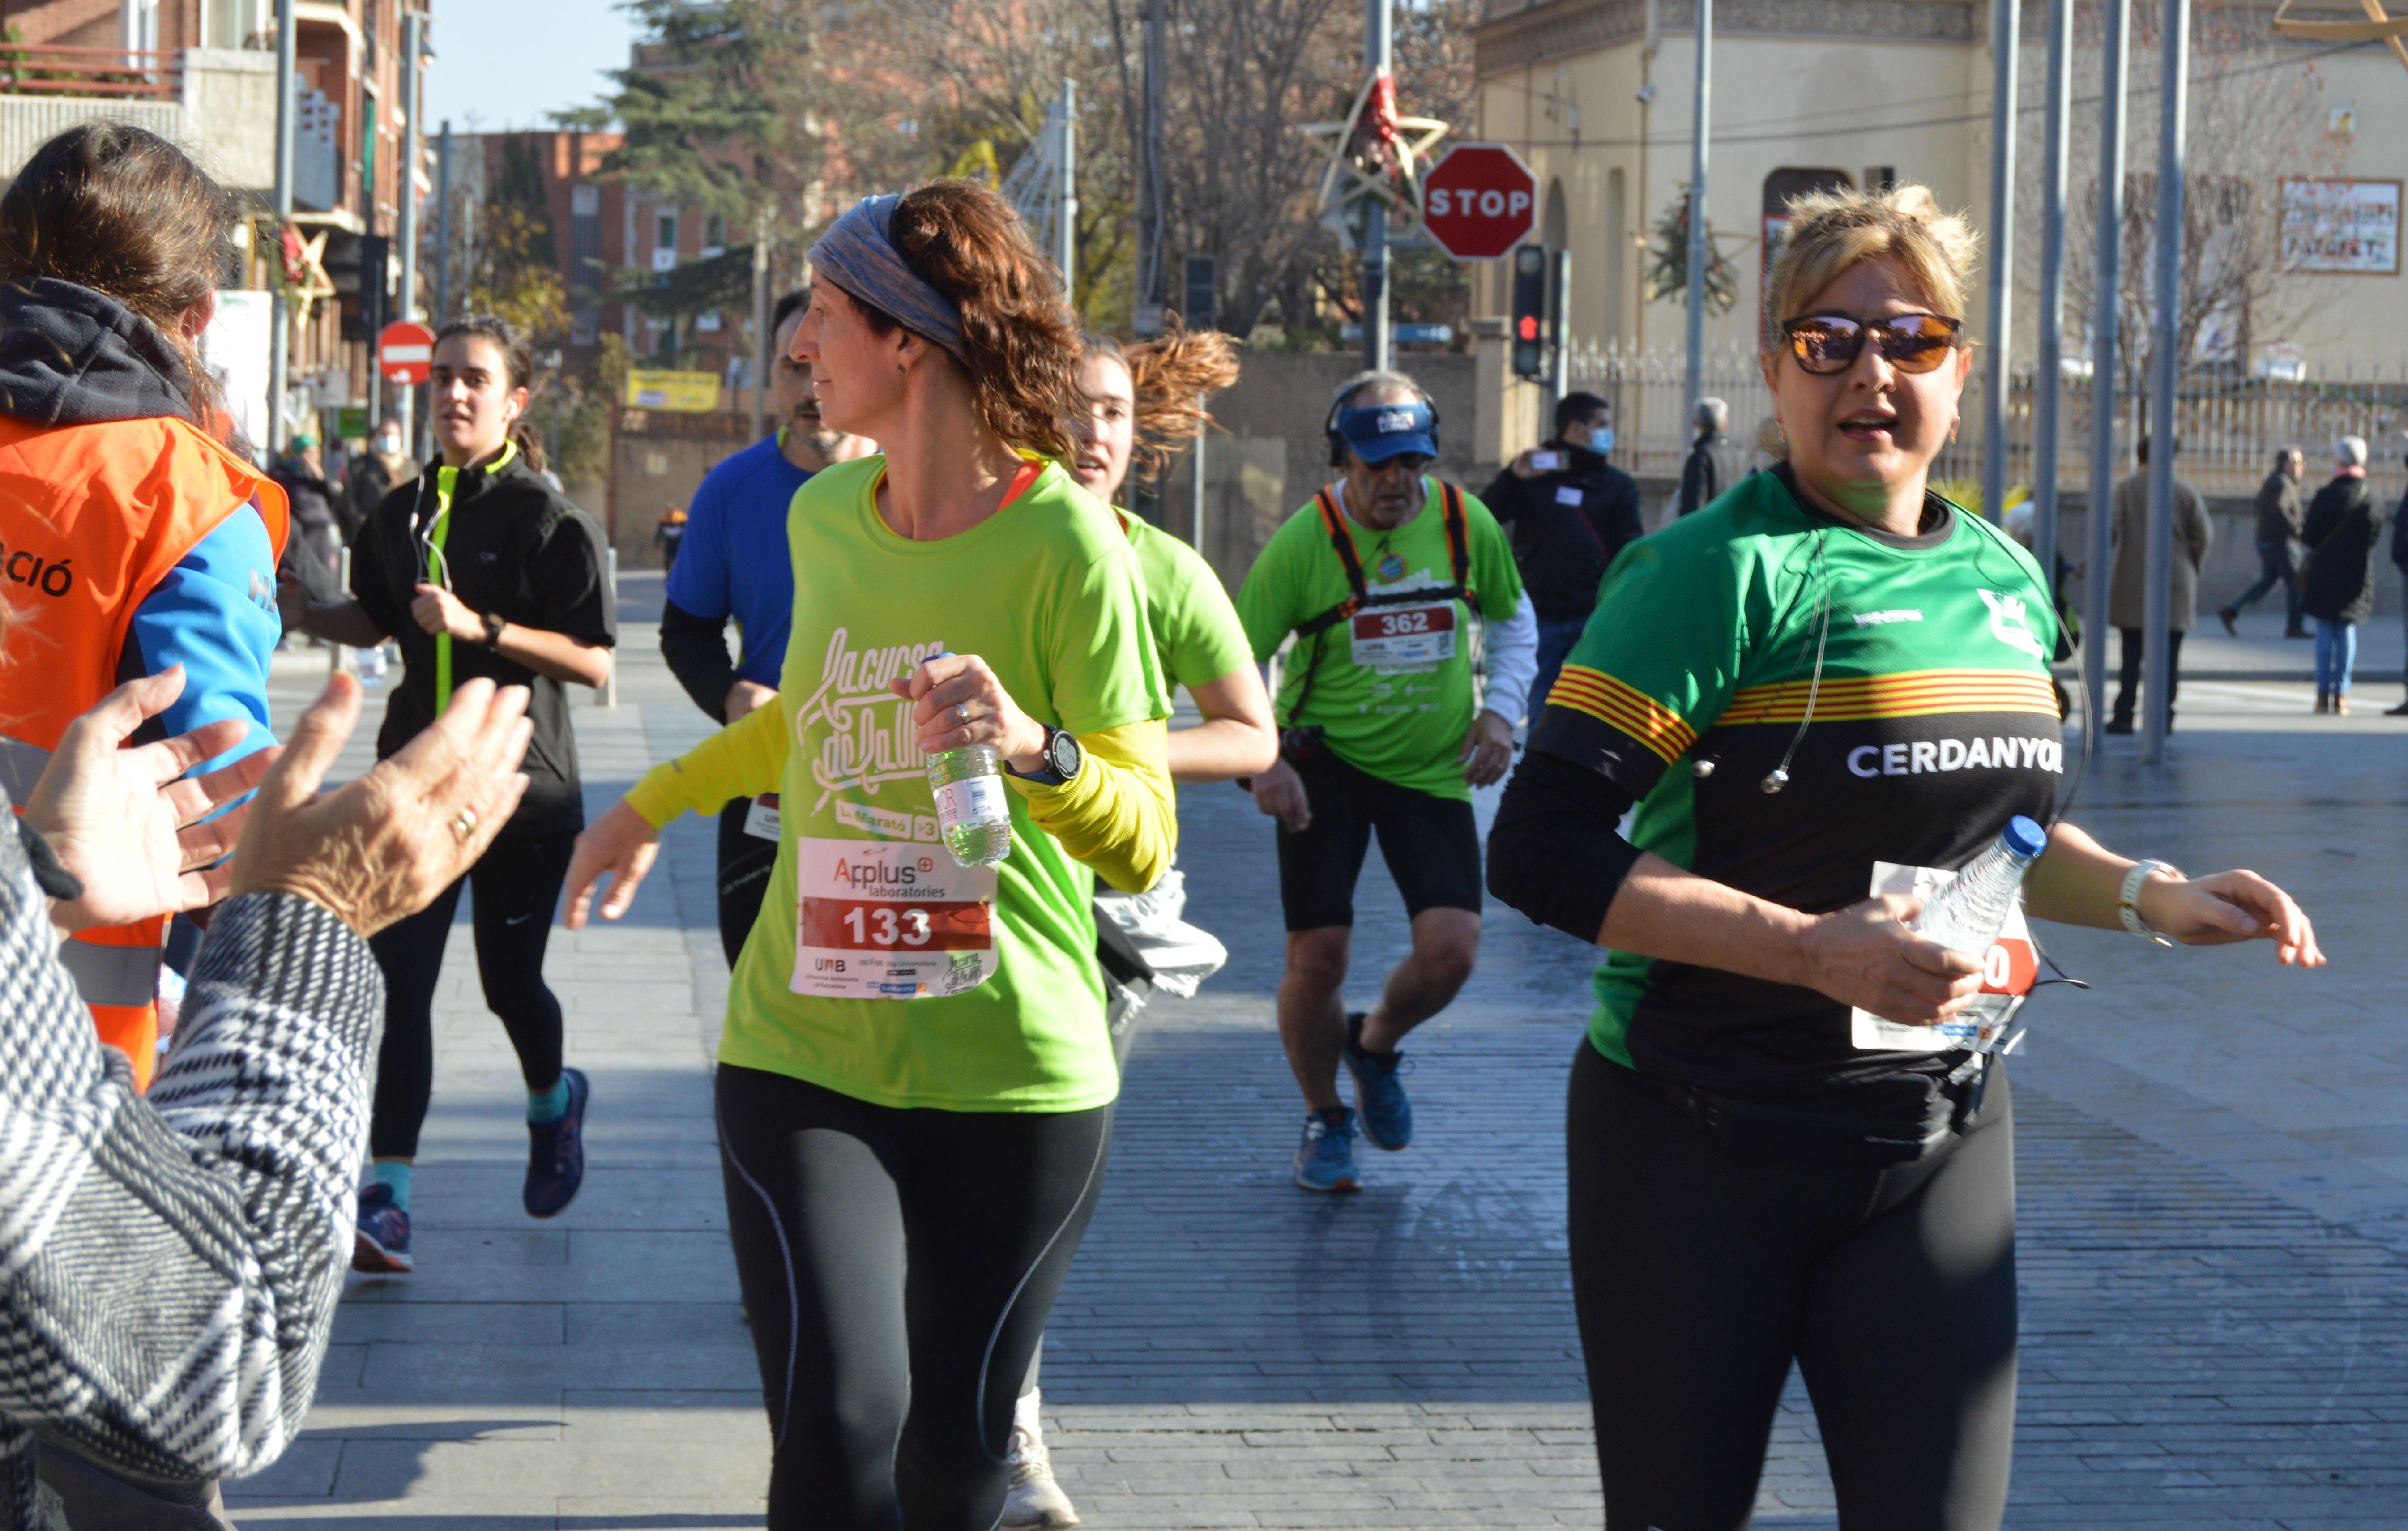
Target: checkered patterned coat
column 170, row 1264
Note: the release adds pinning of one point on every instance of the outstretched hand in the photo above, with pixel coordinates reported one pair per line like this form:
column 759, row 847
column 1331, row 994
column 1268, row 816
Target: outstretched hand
column 2227, row 907
column 383, row 846
column 622, row 843
column 125, row 822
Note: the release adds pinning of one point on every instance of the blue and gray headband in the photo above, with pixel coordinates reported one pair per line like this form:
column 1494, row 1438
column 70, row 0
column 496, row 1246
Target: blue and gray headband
column 858, row 255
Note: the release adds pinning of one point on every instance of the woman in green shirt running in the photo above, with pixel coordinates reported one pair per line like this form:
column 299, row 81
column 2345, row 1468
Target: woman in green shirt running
column 915, row 1075
column 1790, row 1138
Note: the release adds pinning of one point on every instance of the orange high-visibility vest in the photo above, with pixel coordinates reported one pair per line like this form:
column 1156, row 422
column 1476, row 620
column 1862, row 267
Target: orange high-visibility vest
column 91, row 519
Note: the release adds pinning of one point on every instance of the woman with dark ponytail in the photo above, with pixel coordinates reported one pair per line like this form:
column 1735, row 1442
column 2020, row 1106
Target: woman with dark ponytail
column 479, row 567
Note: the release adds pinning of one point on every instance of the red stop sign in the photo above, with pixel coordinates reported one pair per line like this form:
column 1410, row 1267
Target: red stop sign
column 405, row 352
column 1479, row 201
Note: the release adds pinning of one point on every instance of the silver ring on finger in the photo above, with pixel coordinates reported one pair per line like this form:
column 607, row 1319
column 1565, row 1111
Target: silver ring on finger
column 465, row 825
column 961, row 714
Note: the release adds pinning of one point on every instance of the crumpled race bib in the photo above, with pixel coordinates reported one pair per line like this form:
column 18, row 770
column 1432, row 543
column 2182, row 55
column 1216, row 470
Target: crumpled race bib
column 1988, row 1024
column 890, row 920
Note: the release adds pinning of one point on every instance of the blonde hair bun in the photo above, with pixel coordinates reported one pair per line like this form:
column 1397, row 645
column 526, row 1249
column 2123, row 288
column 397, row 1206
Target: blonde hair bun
column 1830, row 230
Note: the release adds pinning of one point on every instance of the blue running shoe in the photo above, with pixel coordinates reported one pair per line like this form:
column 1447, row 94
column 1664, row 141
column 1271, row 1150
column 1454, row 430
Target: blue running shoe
column 556, row 1154
column 1325, row 1161
column 1379, row 1091
column 381, row 1245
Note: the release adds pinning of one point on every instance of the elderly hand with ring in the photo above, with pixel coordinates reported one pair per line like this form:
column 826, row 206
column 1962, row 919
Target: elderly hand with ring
column 958, row 701
column 385, row 845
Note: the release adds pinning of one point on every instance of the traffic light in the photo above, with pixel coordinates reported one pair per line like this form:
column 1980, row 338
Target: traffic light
column 1529, row 311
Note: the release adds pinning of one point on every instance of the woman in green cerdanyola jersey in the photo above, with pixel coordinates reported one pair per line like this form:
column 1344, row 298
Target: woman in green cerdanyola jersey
column 1822, row 693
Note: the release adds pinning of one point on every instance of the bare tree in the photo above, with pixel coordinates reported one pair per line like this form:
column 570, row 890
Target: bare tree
column 2256, row 114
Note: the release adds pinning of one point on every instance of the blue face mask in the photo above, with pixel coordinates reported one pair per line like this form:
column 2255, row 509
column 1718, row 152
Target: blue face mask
column 1601, row 440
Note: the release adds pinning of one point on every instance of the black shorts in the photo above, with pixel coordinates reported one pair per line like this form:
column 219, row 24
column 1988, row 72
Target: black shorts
column 1431, row 845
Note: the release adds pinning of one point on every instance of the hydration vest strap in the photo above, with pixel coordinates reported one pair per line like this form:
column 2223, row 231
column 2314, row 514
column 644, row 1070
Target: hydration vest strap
column 1333, row 521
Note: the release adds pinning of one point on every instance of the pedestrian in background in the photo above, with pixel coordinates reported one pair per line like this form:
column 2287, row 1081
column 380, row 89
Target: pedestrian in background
column 2279, row 513
column 2337, row 585
column 2127, row 596
column 373, row 474
column 2399, row 561
column 668, row 536
column 316, row 546
column 1569, row 512
column 1716, row 463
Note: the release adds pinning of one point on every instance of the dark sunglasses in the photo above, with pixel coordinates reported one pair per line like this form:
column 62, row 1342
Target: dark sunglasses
column 1825, row 344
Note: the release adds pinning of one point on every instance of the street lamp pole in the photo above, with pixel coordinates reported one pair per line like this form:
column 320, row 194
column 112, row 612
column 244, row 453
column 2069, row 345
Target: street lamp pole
column 1698, row 134
column 2156, row 641
column 1379, row 350
column 2105, row 365
column 413, row 50
column 2051, row 297
column 279, row 341
column 2005, row 21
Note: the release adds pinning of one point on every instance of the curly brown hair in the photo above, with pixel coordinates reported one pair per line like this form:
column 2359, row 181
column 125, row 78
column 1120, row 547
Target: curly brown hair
column 1020, row 339
column 1168, row 378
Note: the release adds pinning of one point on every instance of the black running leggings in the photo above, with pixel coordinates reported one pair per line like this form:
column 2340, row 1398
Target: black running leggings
column 1698, row 1276
column 516, row 885
column 898, row 1266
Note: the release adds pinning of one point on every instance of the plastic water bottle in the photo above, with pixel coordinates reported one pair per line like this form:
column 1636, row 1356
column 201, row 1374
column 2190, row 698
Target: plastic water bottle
column 973, row 810
column 1965, row 916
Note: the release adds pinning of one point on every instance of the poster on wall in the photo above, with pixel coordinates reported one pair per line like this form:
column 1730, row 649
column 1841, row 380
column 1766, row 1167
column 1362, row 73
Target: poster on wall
column 234, row 348
column 2346, row 226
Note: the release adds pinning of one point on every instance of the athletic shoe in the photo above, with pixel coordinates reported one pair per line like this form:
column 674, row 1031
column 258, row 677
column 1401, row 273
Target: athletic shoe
column 1379, row 1093
column 1035, row 1500
column 381, row 1245
column 1325, row 1161
column 2400, row 711
column 2299, row 632
column 556, row 1154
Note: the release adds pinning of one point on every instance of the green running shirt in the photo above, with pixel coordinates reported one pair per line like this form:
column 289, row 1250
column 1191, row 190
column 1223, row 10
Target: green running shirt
column 1934, row 723
column 1195, row 630
column 1402, row 722
column 1047, row 592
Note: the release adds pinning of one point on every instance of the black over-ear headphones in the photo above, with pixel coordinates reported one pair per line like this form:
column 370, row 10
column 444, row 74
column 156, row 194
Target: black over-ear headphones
column 1337, row 439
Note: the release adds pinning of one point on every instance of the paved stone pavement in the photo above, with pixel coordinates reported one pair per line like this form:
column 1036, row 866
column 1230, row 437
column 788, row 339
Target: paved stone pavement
column 2214, row 1220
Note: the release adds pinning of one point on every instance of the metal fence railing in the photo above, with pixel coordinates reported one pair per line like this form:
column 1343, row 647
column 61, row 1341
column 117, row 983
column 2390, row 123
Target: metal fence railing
column 2229, row 428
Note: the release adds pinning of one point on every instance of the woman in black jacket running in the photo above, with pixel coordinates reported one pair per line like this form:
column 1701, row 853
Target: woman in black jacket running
column 480, row 568
column 1789, row 1135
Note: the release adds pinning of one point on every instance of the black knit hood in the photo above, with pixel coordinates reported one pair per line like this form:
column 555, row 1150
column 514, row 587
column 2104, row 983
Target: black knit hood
column 73, row 356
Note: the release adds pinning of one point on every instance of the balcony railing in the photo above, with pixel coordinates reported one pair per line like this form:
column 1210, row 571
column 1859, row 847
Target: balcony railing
column 59, row 69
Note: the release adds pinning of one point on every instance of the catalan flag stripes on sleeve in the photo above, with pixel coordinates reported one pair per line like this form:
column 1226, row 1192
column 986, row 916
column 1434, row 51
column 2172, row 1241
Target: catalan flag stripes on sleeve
column 1624, row 708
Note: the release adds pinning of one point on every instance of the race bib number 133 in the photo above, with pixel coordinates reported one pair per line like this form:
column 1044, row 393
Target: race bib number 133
column 890, row 920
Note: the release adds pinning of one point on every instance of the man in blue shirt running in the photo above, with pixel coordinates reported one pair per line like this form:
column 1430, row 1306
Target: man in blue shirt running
column 733, row 563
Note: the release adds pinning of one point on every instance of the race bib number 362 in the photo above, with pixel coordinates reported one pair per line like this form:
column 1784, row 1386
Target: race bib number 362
column 882, row 920
column 1986, row 1024
column 1388, row 638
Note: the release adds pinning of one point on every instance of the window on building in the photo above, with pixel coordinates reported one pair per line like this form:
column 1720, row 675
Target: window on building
column 584, row 263
column 714, row 235
column 665, row 241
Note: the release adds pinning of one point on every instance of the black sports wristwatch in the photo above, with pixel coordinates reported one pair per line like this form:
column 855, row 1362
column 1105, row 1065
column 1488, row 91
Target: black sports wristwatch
column 1063, row 758
column 494, row 626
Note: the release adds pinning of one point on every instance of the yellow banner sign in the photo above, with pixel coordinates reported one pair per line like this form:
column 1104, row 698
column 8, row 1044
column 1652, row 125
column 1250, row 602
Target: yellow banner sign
column 680, row 393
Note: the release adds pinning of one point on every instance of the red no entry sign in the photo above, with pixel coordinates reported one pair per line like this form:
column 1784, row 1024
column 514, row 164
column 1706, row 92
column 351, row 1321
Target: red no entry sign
column 405, row 352
column 1479, row 201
